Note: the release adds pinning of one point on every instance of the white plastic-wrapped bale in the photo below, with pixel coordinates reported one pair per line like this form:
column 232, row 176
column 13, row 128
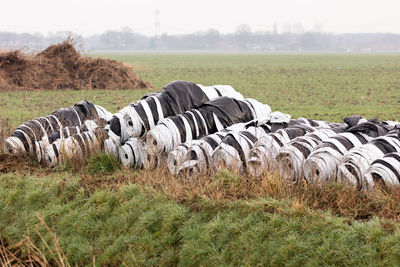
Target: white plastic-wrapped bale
column 63, row 133
column 134, row 154
column 194, row 157
column 262, row 155
column 385, row 170
column 291, row 157
column 138, row 118
column 78, row 147
column 26, row 135
column 211, row 117
column 195, row 154
column 356, row 161
column 323, row 162
column 234, row 149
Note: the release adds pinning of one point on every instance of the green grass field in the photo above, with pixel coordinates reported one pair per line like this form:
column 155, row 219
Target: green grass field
column 150, row 218
column 326, row 87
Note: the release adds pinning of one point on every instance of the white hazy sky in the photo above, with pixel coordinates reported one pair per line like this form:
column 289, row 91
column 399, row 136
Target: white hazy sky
column 88, row 17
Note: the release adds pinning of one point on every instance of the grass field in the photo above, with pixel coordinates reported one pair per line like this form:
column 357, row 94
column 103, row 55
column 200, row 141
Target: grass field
column 150, row 218
column 316, row 86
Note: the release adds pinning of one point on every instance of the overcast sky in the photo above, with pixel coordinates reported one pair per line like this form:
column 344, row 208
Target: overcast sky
column 88, row 17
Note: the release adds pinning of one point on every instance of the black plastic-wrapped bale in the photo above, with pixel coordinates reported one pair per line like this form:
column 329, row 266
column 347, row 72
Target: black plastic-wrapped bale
column 78, row 147
column 356, row 161
column 262, row 155
column 385, row 170
column 323, row 162
column 211, row 117
column 194, row 157
column 66, row 132
column 291, row 157
column 24, row 137
column 134, row 154
column 233, row 152
column 138, row 118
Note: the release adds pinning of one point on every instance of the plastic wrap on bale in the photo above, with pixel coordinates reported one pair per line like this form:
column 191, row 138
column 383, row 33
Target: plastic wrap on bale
column 211, row 117
column 134, row 154
column 291, row 157
column 76, row 148
column 196, row 154
column 356, row 161
column 234, row 149
column 195, row 157
column 23, row 139
column 66, row 132
column 138, row 118
column 385, row 170
column 322, row 164
column 262, row 155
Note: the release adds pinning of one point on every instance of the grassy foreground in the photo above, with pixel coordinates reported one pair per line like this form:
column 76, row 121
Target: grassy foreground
column 120, row 216
column 136, row 225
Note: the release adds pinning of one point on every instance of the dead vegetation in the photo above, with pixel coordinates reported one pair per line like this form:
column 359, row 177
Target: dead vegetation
column 26, row 253
column 5, row 131
column 225, row 187
column 61, row 66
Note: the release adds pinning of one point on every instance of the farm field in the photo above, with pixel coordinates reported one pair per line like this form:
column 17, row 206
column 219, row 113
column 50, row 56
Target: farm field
column 326, row 86
column 111, row 215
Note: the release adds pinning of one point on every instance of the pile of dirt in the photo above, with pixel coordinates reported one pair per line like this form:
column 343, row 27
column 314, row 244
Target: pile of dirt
column 61, row 66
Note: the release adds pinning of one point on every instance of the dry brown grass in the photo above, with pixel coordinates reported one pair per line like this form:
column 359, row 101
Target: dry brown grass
column 225, row 187
column 26, row 253
column 5, row 131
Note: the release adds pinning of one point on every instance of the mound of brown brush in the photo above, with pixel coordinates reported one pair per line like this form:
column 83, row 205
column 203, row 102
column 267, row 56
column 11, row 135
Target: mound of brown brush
column 61, row 66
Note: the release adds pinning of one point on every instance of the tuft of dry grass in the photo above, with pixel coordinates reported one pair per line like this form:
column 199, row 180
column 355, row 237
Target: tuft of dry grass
column 26, row 253
column 5, row 131
column 225, row 187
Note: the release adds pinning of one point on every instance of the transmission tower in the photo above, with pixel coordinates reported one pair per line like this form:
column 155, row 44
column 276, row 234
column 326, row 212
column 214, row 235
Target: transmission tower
column 157, row 23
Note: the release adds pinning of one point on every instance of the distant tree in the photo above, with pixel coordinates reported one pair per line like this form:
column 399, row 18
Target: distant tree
column 298, row 28
column 243, row 29
column 211, row 37
column 243, row 38
column 243, row 34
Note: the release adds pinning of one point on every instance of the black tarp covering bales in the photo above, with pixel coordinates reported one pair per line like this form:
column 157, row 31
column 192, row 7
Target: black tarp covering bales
column 175, row 98
column 211, row 117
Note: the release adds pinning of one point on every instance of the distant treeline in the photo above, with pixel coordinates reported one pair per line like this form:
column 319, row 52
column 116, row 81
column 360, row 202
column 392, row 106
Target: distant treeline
column 241, row 40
